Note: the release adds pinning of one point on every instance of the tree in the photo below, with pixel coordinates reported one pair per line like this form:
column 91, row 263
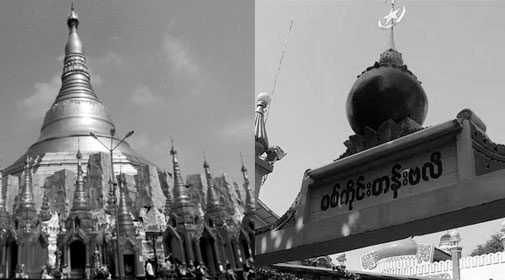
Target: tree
column 493, row 245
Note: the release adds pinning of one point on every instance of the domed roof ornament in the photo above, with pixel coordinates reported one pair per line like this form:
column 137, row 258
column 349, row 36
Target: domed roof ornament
column 391, row 55
column 387, row 100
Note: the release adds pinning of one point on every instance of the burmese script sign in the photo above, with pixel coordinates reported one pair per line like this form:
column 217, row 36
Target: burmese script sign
column 441, row 177
column 372, row 184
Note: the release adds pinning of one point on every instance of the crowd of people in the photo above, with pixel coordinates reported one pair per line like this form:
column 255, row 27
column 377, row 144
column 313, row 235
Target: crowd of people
column 170, row 267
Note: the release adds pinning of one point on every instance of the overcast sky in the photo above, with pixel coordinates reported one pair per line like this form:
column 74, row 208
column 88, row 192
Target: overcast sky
column 181, row 69
column 456, row 48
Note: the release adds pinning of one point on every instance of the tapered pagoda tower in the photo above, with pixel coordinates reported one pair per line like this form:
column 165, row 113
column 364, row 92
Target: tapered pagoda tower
column 75, row 112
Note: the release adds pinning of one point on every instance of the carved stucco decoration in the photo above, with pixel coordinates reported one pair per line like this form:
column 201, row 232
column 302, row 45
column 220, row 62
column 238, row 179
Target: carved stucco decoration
column 388, row 130
column 425, row 252
column 369, row 260
column 489, row 157
column 5, row 234
column 170, row 231
column 75, row 234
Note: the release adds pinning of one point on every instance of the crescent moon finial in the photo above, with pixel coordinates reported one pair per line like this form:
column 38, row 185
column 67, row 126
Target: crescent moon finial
column 390, row 20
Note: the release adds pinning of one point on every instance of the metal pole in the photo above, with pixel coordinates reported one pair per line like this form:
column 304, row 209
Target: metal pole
column 113, row 185
column 154, row 237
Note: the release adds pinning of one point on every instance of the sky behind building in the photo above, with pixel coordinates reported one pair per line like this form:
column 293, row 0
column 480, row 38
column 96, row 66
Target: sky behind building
column 181, row 69
column 454, row 47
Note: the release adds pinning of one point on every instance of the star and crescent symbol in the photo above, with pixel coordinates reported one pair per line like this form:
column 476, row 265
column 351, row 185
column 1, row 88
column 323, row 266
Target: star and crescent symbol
column 392, row 18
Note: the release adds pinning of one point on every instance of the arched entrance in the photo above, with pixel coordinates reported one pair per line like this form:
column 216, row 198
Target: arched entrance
column 128, row 260
column 207, row 248
column 172, row 244
column 77, row 259
column 245, row 244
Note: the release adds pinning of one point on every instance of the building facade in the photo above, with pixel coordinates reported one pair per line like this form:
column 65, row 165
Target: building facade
column 75, row 205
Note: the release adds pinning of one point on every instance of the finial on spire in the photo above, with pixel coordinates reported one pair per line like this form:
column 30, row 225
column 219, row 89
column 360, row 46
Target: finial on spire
column 390, row 20
column 243, row 169
column 205, row 164
column 79, row 155
column 73, row 19
column 74, row 44
column 172, row 150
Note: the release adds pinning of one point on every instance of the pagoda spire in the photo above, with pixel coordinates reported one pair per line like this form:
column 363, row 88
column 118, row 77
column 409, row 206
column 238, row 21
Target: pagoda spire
column 244, row 171
column 250, row 202
column 80, row 201
column 124, row 219
column 169, row 199
column 213, row 202
column 180, row 192
column 75, row 77
column 27, row 195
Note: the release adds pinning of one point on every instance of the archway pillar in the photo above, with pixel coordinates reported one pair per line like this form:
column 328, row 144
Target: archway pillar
column 219, row 257
column 198, row 250
column 189, row 247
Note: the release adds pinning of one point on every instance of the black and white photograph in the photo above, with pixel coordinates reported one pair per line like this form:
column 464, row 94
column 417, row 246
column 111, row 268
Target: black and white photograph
column 126, row 139
column 379, row 132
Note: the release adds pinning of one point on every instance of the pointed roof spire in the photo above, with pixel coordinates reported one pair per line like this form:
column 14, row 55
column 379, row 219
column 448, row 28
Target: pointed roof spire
column 169, row 198
column 213, row 202
column 80, row 201
column 124, row 219
column 180, row 192
column 260, row 132
column 244, row 170
column 250, row 202
column 27, row 195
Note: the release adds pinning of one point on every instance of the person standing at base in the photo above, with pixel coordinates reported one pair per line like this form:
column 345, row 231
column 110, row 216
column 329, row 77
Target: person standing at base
column 230, row 274
column 149, row 271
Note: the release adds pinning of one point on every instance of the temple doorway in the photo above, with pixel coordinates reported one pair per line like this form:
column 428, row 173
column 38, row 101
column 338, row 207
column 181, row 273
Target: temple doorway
column 129, row 265
column 172, row 245
column 12, row 258
column 77, row 259
column 207, row 248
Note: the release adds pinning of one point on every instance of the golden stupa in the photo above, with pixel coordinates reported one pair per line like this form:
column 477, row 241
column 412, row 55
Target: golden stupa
column 75, row 113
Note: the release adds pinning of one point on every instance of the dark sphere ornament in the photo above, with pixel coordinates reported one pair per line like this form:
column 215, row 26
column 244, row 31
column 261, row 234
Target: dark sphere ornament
column 384, row 92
